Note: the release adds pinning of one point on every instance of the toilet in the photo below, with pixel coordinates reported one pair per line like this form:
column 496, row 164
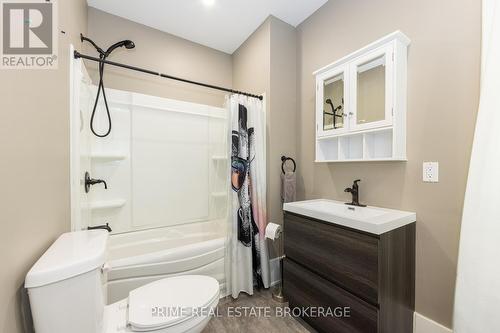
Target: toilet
column 67, row 292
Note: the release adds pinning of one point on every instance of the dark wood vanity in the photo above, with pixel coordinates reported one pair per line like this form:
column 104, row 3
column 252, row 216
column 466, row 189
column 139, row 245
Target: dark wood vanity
column 329, row 265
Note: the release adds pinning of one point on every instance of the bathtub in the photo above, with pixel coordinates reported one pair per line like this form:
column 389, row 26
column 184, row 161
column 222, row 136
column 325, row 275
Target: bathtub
column 138, row 258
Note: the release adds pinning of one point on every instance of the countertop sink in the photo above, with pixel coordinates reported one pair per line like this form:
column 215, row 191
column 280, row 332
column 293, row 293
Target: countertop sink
column 373, row 220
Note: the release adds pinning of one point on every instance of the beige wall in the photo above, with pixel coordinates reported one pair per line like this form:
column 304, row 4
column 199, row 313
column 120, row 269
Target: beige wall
column 266, row 63
column 443, row 89
column 34, row 150
column 159, row 51
column 283, row 99
column 252, row 62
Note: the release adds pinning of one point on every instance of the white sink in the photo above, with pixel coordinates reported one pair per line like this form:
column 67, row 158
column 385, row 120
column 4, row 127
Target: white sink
column 369, row 219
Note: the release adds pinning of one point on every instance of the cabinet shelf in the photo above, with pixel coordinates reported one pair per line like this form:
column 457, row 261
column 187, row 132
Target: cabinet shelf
column 380, row 129
column 363, row 160
column 370, row 146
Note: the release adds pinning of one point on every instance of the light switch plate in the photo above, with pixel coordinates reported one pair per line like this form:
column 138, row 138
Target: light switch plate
column 431, row 172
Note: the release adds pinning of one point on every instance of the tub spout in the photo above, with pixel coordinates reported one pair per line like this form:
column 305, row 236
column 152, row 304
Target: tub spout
column 105, row 227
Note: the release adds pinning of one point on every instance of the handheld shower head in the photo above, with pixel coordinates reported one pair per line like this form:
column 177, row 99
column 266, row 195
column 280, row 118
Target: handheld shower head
column 128, row 44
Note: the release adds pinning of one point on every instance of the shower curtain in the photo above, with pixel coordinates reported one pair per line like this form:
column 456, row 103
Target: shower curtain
column 477, row 295
column 247, row 257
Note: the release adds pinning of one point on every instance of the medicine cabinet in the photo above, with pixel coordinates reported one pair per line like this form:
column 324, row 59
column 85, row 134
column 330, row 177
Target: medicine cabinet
column 361, row 104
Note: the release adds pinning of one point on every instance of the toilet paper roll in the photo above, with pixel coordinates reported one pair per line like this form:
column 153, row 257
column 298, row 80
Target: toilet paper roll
column 273, row 231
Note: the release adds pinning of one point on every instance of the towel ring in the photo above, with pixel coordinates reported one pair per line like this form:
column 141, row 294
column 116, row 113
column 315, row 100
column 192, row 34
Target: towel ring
column 283, row 161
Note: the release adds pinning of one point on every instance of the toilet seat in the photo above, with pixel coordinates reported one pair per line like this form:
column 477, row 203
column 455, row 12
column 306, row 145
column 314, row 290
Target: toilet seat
column 171, row 302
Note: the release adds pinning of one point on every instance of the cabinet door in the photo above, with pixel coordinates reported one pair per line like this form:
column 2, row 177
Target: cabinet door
column 342, row 256
column 371, row 85
column 332, row 101
column 304, row 290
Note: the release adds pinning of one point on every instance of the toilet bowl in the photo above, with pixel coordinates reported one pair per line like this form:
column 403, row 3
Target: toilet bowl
column 66, row 287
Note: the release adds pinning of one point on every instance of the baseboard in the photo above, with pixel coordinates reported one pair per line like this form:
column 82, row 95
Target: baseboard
column 275, row 271
column 423, row 324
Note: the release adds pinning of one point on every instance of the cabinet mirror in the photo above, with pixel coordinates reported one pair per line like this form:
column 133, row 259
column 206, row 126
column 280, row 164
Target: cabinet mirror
column 333, row 106
column 371, row 91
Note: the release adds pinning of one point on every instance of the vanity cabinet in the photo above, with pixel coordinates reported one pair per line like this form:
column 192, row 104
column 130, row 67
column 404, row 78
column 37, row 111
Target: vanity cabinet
column 361, row 104
column 329, row 265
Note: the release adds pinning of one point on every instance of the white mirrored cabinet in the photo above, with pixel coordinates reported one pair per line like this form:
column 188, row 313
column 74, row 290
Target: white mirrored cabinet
column 361, row 104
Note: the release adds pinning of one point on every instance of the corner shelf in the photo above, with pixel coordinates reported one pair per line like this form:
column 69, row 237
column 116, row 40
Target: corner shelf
column 219, row 194
column 101, row 157
column 108, row 204
column 219, row 158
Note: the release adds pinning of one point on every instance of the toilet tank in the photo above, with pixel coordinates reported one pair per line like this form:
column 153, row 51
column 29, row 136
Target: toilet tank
column 66, row 285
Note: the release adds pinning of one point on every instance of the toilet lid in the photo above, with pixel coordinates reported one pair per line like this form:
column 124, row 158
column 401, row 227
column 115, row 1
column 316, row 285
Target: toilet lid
column 170, row 301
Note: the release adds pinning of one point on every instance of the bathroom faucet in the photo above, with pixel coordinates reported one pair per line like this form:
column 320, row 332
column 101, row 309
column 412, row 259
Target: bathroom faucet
column 90, row 181
column 355, row 194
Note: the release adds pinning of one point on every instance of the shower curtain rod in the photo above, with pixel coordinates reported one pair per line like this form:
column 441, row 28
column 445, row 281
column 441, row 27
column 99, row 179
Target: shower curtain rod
column 147, row 71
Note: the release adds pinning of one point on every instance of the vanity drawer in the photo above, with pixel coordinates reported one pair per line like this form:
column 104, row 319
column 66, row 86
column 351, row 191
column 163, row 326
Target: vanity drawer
column 305, row 289
column 345, row 257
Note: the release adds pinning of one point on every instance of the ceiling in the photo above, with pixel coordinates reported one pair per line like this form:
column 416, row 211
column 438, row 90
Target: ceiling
column 224, row 25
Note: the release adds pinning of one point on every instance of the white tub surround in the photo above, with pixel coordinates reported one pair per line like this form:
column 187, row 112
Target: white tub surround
column 166, row 165
column 163, row 161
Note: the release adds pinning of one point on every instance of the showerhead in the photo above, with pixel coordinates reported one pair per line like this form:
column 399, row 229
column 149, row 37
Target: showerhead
column 128, row 44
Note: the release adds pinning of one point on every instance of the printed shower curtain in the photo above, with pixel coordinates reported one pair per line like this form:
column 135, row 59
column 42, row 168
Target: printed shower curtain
column 247, row 257
column 477, row 295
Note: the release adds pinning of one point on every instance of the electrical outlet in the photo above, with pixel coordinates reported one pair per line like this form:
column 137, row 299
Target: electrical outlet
column 431, row 172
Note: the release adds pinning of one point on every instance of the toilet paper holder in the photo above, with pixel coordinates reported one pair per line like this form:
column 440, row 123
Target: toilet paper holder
column 275, row 233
